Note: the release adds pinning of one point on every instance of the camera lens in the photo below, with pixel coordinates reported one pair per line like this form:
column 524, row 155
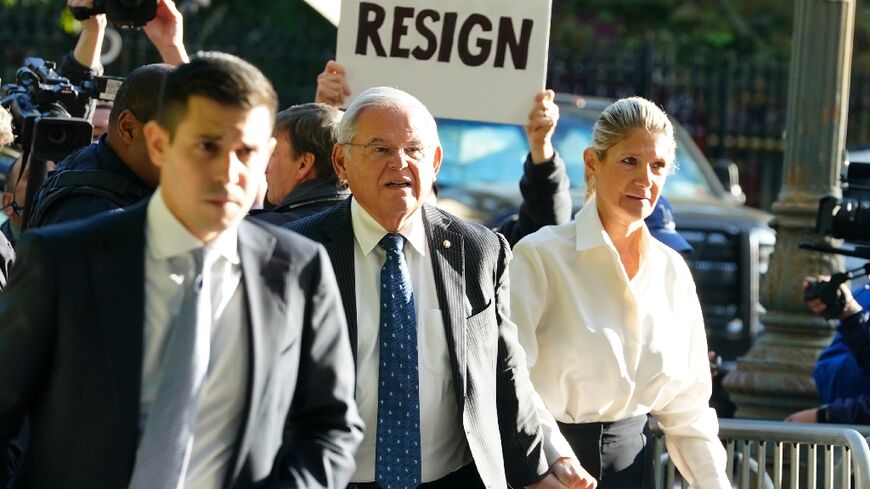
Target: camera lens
column 57, row 136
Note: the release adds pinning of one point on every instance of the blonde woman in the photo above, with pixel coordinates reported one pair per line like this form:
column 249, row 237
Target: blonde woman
column 610, row 319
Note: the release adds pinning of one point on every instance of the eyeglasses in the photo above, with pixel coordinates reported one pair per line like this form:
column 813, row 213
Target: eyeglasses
column 379, row 152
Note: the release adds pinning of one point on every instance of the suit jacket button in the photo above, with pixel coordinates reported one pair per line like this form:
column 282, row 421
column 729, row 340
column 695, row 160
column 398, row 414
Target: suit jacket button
column 446, row 243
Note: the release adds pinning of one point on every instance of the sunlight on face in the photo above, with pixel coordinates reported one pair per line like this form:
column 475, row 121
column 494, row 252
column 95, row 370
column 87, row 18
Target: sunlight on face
column 212, row 169
column 629, row 180
column 392, row 188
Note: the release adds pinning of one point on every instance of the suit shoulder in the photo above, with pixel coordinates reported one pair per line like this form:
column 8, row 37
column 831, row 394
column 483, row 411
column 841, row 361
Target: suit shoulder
column 78, row 234
column 286, row 238
column 311, row 226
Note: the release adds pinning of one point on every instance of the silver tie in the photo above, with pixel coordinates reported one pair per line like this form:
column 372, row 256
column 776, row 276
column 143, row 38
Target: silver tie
column 167, row 440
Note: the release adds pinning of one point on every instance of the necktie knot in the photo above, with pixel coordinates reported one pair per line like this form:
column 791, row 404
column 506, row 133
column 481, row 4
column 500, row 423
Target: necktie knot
column 392, row 242
column 198, row 259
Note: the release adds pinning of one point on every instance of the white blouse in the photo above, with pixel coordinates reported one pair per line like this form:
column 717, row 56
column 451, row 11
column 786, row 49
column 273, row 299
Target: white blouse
column 603, row 347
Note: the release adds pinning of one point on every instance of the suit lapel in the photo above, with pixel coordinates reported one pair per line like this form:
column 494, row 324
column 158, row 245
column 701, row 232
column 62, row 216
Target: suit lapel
column 118, row 280
column 339, row 244
column 448, row 264
column 263, row 274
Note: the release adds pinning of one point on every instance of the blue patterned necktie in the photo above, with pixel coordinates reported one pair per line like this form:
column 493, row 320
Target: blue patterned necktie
column 398, row 444
column 167, row 440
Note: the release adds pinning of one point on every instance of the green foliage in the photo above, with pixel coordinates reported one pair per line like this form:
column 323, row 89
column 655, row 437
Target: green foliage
column 759, row 27
column 68, row 23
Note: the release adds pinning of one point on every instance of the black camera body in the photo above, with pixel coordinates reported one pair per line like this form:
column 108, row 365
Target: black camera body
column 47, row 109
column 122, row 13
column 845, row 218
column 849, row 217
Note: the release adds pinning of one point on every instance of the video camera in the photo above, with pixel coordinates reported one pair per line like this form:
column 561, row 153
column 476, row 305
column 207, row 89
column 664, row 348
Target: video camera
column 845, row 218
column 122, row 13
column 47, row 109
column 848, row 218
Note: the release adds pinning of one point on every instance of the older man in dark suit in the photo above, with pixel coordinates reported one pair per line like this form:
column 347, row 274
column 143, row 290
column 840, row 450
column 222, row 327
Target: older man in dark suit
column 442, row 383
column 174, row 344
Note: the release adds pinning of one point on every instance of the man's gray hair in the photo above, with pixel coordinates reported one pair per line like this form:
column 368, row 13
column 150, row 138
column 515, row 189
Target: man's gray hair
column 384, row 98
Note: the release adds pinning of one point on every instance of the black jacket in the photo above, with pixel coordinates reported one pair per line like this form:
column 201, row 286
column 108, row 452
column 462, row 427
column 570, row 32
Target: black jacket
column 71, row 331
column 87, row 182
column 307, row 199
column 546, row 199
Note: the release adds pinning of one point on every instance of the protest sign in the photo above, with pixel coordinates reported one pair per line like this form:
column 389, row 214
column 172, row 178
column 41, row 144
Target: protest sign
column 477, row 60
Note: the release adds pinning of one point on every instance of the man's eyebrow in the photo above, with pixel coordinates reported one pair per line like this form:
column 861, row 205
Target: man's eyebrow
column 209, row 137
column 380, row 140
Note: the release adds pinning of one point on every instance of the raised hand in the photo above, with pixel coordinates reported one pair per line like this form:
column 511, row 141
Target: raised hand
column 542, row 124
column 332, row 87
column 166, row 32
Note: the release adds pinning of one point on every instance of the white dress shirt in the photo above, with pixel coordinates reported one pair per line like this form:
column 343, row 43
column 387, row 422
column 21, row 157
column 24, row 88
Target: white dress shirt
column 442, row 439
column 602, row 347
column 223, row 397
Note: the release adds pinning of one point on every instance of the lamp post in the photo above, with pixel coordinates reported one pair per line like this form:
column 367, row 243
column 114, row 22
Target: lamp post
column 774, row 379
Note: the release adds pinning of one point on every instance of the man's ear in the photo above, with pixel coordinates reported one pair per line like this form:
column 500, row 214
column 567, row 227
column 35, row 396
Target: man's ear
column 306, row 169
column 339, row 163
column 439, row 153
column 126, row 126
column 7, row 204
column 157, row 141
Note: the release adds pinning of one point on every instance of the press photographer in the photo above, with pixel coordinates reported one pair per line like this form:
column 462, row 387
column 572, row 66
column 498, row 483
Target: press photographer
column 48, row 115
column 122, row 13
column 842, row 372
column 48, row 110
column 164, row 27
column 116, row 171
column 845, row 218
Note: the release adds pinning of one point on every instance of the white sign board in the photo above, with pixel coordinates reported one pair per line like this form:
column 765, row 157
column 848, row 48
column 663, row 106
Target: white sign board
column 465, row 59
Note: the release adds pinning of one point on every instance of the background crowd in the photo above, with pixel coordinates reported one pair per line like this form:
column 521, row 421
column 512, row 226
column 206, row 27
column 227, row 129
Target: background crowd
column 162, row 327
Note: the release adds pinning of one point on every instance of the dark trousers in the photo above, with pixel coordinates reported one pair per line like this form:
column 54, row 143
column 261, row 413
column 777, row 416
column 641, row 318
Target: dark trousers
column 618, row 454
column 464, row 478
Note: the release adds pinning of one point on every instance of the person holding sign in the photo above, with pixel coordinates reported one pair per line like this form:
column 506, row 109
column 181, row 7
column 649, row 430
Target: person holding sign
column 442, row 383
column 544, row 184
column 610, row 319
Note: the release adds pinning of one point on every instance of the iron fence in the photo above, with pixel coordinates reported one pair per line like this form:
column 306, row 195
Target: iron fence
column 779, row 455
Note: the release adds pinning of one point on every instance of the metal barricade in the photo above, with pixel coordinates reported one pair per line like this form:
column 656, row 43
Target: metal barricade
column 779, row 455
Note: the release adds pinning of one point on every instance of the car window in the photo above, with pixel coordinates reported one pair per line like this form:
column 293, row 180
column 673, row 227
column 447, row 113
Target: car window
column 487, row 153
column 477, row 152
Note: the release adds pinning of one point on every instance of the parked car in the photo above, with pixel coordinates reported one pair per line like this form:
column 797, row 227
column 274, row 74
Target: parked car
column 732, row 243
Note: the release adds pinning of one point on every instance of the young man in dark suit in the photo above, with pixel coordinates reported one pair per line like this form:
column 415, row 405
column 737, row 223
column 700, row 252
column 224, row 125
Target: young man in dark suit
column 175, row 344
column 441, row 379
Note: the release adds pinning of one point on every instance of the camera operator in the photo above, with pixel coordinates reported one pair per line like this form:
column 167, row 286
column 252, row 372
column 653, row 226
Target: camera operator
column 82, row 63
column 165, row 31
column 116, row 171
column 853, row 333
column 7, row 254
